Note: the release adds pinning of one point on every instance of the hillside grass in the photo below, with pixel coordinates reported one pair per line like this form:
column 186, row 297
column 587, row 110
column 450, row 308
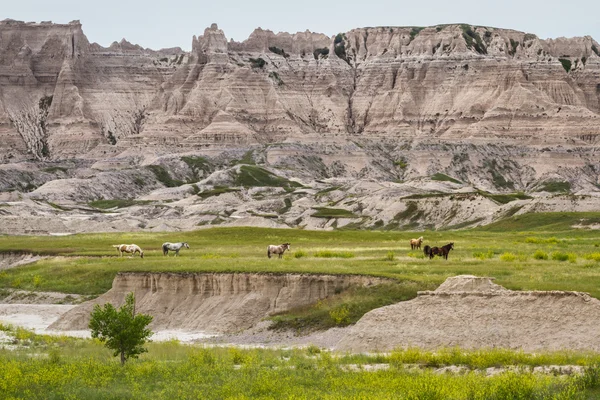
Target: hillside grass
column 87, row 264
column 60, row 367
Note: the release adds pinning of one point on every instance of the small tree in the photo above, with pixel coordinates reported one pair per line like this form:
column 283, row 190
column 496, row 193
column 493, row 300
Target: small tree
column 121, row 330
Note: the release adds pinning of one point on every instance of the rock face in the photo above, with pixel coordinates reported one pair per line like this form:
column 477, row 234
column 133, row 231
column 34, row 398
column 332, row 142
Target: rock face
column 473, row 312
column 492, row 109
column 213, row 303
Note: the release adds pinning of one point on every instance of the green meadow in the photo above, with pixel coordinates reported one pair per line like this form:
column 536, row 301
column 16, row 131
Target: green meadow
column 44, row 367
column 531, row 252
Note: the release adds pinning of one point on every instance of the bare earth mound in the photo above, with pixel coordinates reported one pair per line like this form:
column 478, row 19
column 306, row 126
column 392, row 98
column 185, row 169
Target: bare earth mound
column 473, row 312
column 213, row 302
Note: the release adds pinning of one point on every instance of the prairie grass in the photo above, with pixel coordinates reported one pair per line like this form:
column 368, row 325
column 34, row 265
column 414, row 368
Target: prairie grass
column 55, row 367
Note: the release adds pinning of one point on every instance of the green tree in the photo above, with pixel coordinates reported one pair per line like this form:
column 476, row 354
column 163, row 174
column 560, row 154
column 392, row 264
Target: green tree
column 121, row 330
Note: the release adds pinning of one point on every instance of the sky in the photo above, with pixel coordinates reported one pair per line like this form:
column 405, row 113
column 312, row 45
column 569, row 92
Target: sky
column 162, row 24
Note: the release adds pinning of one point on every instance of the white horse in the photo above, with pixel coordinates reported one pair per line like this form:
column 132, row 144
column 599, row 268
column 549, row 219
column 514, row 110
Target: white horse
column 173, row 247
column 129, row 248
column 272, row 249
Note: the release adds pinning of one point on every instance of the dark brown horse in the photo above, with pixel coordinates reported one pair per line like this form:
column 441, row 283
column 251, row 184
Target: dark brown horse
column 438, row 251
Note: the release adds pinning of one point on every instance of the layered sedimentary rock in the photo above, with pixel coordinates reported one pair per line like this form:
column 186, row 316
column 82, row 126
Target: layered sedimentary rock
column 492, row 109
column 212, row 302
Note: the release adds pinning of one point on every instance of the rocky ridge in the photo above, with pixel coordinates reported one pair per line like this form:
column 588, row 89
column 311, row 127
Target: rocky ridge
column 370, row 121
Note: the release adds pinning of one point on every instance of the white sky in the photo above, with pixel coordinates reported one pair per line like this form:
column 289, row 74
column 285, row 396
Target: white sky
column 159, row 24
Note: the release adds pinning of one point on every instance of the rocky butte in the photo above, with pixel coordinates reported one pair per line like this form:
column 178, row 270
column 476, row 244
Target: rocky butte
column 397, row 126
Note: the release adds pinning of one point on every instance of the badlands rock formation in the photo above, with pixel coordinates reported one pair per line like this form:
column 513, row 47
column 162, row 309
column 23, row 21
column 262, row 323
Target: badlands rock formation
column 213, row 302
column 473, row 312
column 378, row 114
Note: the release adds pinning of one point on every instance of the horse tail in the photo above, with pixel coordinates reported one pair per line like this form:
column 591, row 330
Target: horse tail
column 165, row 249
column 427, row 250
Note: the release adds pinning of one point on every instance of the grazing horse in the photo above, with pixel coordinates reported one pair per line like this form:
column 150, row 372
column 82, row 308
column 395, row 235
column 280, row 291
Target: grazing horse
column 416, row 243
column 272, row 249
column 174, row 247
column 129, row 248
column 441, row 251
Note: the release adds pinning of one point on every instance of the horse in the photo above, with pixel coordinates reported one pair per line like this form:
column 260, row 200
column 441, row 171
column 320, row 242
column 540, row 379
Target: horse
column 174, row 247
column 129, row 248
column 272, row 249
column 441, row 251
column 416, row 243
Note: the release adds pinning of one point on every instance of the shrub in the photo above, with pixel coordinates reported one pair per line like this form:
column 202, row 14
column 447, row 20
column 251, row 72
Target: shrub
column 508, row 257
column 334, row 254
column 340, row 315
column 300, row 254
column 320, row 52
column 279, row 51
column 572, row 257
column 565, row 63
column 560, row 256
column 483, row 256
column 257, row 62
column 540, row 255
column 37, row 281
column 592, row 256
column 390, row 256
column 401, row 164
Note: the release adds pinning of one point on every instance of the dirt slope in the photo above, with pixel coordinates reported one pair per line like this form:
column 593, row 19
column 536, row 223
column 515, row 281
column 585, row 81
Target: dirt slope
column 473, row 312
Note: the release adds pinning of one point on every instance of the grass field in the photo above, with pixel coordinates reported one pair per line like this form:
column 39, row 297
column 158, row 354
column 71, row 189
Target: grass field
column 42, row 367
column 533, row 252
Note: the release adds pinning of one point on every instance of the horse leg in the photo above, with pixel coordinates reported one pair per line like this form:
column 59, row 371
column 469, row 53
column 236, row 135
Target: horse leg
column 268, row 254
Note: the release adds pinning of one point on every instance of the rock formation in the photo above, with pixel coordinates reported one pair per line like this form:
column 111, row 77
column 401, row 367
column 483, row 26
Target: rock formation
column 492, row 109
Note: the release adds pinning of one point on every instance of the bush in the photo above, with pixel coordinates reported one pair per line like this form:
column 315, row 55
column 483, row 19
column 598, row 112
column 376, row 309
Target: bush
column 565, row 63
column 390, row 256
column 540, row 255
column 257, row 62
column 320, row 52
column 334, row 254
column 482, row 256
column 560, row 256
column 508, row 257
column 300, row 254
column 592, row 256
column 340, row 315
column 279, row 51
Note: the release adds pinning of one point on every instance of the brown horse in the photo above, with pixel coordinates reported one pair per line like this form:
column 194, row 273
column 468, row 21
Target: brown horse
column 416, row 243
column 439, row 251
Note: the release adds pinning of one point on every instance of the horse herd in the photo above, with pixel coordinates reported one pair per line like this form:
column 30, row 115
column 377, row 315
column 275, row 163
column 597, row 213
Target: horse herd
column 430, row 252
column 134, row 248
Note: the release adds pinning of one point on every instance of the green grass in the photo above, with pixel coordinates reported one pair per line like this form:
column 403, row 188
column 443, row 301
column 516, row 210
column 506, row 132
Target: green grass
column 354, row 302
column 58, row 367
column 555, row 187
column 163, row 176
column 116, row 203
column 324, row 212
column 86, row 264
column 444, row 178
column 251, row 176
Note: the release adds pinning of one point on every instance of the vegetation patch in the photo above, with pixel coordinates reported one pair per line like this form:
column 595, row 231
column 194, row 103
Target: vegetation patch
column 162, row 175
column 321, row 52
column 252, row 176
column 325, row 212
column 257, row 62
column 444, row 178
column 275, row 77
column 333, row 254
column 279, row 51
column 506, row 198
column 473, row 39
column 52, row 170
column 197, row 165
column 566, row 63
column 414, row 32
column 117, row 203
column 344, row 308
column 555, row 187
